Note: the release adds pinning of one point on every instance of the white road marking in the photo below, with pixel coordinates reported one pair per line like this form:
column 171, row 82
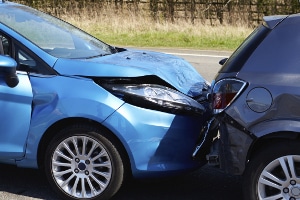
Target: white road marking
column 197, row 55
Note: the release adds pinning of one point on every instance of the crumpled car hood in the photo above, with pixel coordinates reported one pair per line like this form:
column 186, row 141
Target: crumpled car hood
column 134, row 63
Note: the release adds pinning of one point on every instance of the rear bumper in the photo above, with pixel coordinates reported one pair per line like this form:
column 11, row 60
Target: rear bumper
column 233, row 146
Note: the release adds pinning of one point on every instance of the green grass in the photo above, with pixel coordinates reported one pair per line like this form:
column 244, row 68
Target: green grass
column 171, row 39
column 140, row 31
column 127, row 28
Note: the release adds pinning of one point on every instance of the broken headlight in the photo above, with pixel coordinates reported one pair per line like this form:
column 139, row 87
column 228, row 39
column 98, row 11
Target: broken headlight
column 156, row 97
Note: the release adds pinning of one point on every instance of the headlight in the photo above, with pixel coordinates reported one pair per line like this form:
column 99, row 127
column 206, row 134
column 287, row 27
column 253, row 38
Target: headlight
column 156, row 97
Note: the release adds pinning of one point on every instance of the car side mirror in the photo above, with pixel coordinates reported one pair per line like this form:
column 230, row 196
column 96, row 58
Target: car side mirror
column 221, row 62
column 8, row 69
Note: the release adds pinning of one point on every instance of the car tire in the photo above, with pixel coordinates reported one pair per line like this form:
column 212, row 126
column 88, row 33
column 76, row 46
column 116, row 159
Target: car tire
column 81, row 162
column 273, row 172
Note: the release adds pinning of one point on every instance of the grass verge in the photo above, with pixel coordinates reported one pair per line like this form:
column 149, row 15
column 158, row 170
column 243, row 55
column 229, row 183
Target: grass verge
column 128, row 29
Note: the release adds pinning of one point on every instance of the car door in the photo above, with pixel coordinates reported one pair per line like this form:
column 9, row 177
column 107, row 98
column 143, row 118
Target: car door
column 15, row 115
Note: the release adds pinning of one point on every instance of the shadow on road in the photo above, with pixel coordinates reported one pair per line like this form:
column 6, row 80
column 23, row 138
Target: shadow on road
column 205, row 184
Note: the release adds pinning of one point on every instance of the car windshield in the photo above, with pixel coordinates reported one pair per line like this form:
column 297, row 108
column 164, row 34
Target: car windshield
column 51, row 34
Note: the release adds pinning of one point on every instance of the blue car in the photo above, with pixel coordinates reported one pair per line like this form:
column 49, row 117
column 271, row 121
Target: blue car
column 89, row 114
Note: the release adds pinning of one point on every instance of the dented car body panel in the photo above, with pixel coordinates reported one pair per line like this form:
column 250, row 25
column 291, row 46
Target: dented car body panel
column 151, row 103
column 267, row 106
column 136, row 63
column 167, row 130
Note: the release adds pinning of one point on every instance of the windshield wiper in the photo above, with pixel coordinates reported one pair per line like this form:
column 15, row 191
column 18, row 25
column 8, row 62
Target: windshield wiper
column 95, row 56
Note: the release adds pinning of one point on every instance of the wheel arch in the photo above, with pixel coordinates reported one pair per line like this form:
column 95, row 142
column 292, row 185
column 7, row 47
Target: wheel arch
column 56, row 127
column 271, row 139
column 269, row 170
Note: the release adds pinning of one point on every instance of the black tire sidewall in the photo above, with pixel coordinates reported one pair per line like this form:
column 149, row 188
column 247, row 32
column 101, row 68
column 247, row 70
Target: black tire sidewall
column 105, row 140
column 263, row 157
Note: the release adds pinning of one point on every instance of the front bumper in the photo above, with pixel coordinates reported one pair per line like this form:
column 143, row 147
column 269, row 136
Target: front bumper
column 208, row 132
column 158, row 143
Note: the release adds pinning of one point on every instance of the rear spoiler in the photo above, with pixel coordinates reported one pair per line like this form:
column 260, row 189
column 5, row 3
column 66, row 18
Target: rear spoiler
column 272, row 21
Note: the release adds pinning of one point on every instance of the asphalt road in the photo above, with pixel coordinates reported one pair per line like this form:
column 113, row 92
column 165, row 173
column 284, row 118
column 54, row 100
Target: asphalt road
column 205, row 62
column 206, row 183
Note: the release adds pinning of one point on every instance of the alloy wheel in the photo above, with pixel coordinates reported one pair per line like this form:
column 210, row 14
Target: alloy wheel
column 81, row 167
column 280, row 179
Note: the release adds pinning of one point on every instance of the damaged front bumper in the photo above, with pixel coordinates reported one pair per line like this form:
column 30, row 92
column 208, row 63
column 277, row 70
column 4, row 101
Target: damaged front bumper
column 207, row 134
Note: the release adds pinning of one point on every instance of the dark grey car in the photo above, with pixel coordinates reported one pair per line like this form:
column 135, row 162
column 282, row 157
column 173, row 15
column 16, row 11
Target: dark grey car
column 256, row 98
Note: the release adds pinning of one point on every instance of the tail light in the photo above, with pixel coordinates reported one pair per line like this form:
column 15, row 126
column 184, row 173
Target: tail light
column 225, row 92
